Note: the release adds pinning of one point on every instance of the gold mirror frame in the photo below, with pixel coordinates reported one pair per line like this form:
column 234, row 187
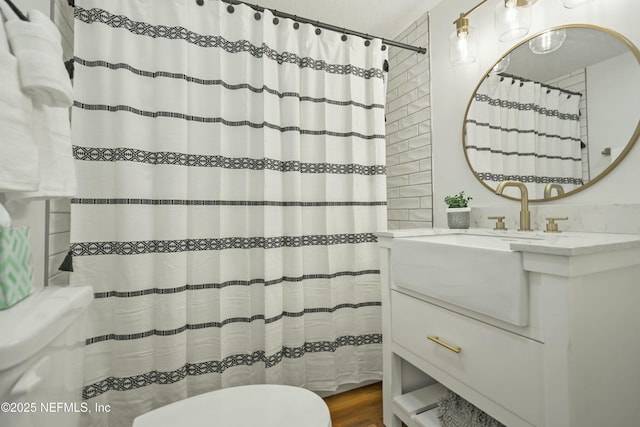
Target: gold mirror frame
column 606, row 171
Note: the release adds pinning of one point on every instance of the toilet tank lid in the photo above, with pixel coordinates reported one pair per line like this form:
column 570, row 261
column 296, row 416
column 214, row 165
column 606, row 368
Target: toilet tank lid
column 34, row 322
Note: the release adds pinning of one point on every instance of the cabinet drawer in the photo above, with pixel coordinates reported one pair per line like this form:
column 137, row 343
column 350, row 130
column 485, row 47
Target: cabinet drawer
column 503, row 366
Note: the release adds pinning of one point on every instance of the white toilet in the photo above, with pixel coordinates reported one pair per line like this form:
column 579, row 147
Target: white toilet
column 41, row 370
column 264, row 405
column 41, row 358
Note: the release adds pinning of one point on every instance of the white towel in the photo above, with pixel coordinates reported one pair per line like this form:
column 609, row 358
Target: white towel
column 18, row 154
column 52, row 132
column 37, row 45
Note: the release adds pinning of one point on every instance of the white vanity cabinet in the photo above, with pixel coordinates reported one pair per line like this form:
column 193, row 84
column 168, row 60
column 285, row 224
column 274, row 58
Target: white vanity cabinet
column 575, row 362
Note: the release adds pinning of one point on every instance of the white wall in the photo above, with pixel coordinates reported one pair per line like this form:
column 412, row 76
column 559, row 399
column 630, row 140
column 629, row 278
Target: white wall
column 453, row 86
column 611, row 127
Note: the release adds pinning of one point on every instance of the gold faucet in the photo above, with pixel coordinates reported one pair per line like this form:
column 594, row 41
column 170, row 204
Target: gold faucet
column 525, row 215
column 550, row 186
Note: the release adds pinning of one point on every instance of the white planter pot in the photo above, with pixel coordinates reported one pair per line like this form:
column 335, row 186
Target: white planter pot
column 459, row 217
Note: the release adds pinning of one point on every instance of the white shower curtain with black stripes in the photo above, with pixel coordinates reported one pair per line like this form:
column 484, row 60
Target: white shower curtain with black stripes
column 231, row 179
column 524, row 131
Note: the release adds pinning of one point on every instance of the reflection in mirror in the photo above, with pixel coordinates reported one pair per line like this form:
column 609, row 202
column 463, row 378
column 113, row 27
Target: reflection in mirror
column 558, row 121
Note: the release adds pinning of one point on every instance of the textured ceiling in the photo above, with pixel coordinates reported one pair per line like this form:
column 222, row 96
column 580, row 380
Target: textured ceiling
column 381, row 18
column 583, row 47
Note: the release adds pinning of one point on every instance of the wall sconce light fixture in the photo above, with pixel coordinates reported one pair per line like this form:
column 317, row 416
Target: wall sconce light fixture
column 512, row 21
column 462, row 42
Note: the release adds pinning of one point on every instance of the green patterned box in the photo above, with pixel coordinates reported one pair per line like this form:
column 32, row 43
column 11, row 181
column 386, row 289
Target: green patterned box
column 16, row 271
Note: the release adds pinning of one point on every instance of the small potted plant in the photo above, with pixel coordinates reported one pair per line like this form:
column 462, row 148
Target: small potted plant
column 458, row 210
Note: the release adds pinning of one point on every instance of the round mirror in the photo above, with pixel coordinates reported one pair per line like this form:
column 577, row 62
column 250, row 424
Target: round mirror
column 558, row 112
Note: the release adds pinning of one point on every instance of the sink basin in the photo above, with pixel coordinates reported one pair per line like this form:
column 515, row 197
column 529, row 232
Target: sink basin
column 477, row 272
column 483, row 241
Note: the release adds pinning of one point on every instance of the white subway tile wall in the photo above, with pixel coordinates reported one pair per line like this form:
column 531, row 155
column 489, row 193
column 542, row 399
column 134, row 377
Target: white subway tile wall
column 408, row 127
column 60, row 210
column 63, row 18
column 59, row 232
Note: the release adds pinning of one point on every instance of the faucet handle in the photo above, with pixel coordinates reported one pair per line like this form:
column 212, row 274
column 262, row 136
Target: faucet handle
column 552, row 227
column 499, row 224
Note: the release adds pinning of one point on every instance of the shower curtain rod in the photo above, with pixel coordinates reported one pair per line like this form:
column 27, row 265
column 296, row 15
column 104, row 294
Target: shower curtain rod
column 546, row 86
column 17, row 11
column 316, row 23
column 324, row 25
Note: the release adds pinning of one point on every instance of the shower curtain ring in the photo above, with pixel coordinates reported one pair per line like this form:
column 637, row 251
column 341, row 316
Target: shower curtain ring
column 257, row 15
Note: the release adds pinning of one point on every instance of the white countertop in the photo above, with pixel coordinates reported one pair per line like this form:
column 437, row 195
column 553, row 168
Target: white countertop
column 564, row 243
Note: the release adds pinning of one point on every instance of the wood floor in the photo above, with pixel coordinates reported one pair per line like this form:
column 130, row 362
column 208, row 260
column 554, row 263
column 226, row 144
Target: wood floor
column 361, row 407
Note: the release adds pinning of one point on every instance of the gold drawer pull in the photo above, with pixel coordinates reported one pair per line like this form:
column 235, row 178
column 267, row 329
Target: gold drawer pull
column 437, row 340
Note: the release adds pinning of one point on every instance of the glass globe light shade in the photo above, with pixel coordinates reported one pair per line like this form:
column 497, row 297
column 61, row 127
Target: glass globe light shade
column 501, row 66
column 463, row 46
column 511, row 21
column 548, row 41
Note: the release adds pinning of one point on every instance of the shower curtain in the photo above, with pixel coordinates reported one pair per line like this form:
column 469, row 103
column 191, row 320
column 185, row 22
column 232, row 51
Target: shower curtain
column 524, row 131
column 231, row 178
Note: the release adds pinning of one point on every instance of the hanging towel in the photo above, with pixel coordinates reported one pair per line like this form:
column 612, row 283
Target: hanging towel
column 37, row 45
column 52, row 132
column 18, row 154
